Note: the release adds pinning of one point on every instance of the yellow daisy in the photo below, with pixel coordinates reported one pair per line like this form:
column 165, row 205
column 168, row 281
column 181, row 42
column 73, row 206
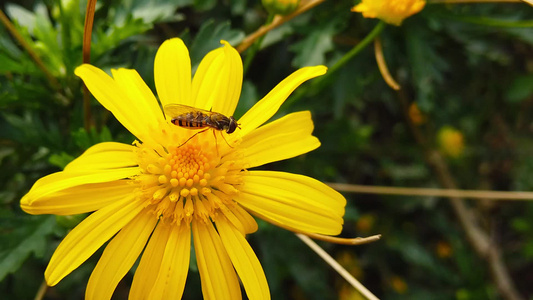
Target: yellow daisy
column 173, row 182
column 390, row 11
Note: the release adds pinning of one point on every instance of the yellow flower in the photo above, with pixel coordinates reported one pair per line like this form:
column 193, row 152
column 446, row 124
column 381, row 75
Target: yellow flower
column 152, row 196
column 390, row 11
column 416, row 116
column 399, row 285
column 444, row 249
column 365, row 223
column 451, row 141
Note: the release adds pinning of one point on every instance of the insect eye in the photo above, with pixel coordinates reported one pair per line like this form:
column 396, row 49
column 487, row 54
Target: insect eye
column 232, row 126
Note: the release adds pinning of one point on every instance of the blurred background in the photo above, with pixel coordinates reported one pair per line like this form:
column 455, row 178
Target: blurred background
column 462, row 119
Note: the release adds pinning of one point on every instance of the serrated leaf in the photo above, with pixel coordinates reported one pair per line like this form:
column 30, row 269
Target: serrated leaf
column 151, row 11
column 60, row 160
column 29, row 239
column 426, row 64
column 10, row 65
column 209, row 36
column 521, row 89
column 22, row 16
column 204, row 4
column 312, row 50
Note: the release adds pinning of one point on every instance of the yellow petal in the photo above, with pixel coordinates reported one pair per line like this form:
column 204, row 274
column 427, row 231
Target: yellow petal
column 248, row 222
column 233, row 219
column 108, row 155
column 109, row 93
column 269, row 105
column 284, row 138
column 172, row 73
column 390, row 11
column 295, row 201
column 218, row 81
column 150, row 264
column 170, row 281
column 143, row 101
column 79, row 199
column 119, row 256
column 90, row 235
column 244, row 260
column 45, row 187
column 217, row 275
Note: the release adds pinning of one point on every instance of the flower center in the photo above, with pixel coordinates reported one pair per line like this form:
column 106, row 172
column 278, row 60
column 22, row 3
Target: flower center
column 186, row 181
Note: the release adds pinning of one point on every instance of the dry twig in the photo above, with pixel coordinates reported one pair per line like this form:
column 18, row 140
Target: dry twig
column 476, row 235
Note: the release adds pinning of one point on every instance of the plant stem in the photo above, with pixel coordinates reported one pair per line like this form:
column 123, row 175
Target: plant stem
column 278, row 20
column 355, row 50
column 87, row 33
column 337, row 267
column 14, row 32
column 431, row 192
column 317, row 84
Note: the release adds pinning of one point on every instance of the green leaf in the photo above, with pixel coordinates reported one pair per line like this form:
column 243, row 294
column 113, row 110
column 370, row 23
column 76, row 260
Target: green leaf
column 8, row 64
column 23, row 241
column 151, row 11
column 312, row 50
column 426, row 64
column 521, row 89
column 209, row 36
column 60, row 160
column 85, row 139
column 22, row 16
column 204, row 4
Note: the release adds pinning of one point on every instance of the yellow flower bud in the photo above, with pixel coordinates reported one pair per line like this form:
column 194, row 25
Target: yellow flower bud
column 365, row 223
column 416, row 116
column 399, row 285
column 451, row 141
column 390, row 11
column 281, row 7
column 443, row 249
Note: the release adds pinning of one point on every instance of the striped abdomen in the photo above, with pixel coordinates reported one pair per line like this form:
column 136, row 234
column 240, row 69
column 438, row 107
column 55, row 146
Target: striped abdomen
column 192, row 120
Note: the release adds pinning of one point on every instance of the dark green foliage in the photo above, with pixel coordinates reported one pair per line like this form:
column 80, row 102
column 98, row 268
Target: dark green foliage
column 466, row 66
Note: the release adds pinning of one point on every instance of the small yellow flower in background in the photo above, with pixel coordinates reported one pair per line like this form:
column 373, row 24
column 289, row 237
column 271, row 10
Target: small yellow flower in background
column 175, row 184
column 365, row 223
column 390, row 11
column 451, row 141
column 416, row 116
column 347, row 292
column 443, row 249
column 349, row 261
column 398, row 285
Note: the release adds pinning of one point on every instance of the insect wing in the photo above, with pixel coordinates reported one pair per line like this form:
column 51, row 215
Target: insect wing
column 173, row 111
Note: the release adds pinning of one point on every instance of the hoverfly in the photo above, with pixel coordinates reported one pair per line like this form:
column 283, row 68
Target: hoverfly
column 195, row 118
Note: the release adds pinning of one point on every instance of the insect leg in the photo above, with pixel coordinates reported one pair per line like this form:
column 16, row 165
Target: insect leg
column 222, row 134
column 193, row 136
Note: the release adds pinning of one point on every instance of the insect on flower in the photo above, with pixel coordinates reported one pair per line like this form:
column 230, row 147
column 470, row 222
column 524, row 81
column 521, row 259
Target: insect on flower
column 196, row 118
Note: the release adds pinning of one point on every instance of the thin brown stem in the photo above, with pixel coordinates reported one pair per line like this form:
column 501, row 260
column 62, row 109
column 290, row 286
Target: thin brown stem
column 337, row 267
column 42, row 291
column 530, row 2
column 278, row 20
column 479, row 239
column 382, row 65
column 431, row 192
column 36, row 59
column 344, row 241
column 86, row 52
column 473, row 1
